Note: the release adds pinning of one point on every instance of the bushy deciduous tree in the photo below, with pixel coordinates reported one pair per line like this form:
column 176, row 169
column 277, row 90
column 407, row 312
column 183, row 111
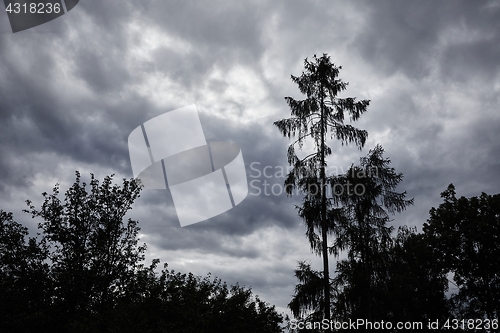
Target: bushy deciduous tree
column 94, row 252
column 176, row 302
column 413, row 286
column 465, row 236
column 87, row 274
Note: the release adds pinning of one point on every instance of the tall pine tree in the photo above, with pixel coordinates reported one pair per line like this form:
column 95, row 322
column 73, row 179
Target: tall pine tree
column 319, row 116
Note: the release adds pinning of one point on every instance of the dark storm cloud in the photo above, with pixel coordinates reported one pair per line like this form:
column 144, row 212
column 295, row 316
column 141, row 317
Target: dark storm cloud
column 445, row 54
column 470, row 60
column 40, row 120
column 70, row 98
column 37, row 114
column 408, row 37
column 221, row 26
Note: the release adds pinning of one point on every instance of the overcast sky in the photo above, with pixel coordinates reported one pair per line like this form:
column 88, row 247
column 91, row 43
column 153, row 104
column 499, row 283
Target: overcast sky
column 73, row 89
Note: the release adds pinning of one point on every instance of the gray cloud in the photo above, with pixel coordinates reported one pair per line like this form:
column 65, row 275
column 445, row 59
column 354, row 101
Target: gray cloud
column 71, row 91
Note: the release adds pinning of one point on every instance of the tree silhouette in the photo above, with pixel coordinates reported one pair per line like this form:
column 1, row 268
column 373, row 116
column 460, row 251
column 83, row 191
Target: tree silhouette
column 94, row 253
column 405, row 284
column 367, row 195
column 320, row 114
column 175, row 302
column 362, row 200
column 464, row 234
column 85, row 273
column 24, row 277
column 414, row 286
column 307, row 302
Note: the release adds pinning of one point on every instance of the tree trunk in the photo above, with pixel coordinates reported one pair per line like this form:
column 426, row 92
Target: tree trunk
column 324, row 226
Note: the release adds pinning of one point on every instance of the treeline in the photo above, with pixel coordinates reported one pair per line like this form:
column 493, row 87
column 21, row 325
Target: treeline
column 85, row 272
column 379, row 277
column 408, row 277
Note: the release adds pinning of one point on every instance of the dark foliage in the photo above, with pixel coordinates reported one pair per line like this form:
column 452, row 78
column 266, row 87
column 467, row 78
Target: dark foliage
column 409, row 275
column 464, row 234
column 86, row 274
column 367, row 196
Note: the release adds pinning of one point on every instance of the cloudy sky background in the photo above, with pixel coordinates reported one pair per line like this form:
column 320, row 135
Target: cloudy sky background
column 72, row 90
